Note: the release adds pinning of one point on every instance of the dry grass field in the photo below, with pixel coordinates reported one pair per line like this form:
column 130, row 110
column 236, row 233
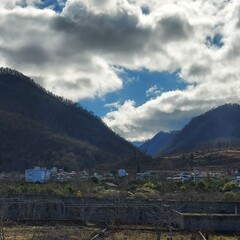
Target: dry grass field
column 23, row 232
column 48, row 232
column 139, row 235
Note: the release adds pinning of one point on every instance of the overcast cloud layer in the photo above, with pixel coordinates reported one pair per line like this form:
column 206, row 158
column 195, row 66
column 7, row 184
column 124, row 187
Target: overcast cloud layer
column 77, row 54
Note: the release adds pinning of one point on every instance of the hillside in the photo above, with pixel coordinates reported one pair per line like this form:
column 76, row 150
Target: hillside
column 217, row 128
column 38, row 128
column 154, row 146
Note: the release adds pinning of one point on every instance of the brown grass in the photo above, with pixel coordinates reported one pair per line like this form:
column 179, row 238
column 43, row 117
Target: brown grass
column 48, row 233
column 85, row 233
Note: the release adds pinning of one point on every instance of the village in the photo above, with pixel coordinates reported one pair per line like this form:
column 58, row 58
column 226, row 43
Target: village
column 42, row 174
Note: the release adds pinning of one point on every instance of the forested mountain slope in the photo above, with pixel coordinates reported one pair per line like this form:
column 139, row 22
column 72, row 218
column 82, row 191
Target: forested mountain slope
column 217, row 128
column 38, row 128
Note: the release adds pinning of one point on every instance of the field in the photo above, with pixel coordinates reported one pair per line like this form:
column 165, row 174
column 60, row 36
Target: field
column 59, row 232
column 138, row 235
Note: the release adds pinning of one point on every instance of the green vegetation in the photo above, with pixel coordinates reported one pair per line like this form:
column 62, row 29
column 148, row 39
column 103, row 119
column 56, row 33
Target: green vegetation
column 208, row 189
column 63, row 189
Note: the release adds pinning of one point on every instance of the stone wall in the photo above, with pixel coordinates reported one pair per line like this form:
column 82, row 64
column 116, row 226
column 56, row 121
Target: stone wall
column 188, row 216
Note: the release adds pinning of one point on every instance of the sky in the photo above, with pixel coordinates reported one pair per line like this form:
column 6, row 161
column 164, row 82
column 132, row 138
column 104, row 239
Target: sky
column 143, row 66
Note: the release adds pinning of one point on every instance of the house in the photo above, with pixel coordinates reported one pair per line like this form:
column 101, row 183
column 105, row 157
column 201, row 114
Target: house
column 37, row 174
column 108, row 176
column 143, row 176
column 83, row 175
column 98, row 176
column 122, row 173
column 63, row 176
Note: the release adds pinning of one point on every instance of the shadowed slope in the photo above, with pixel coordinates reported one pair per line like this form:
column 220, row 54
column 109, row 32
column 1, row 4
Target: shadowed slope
column 37, row 127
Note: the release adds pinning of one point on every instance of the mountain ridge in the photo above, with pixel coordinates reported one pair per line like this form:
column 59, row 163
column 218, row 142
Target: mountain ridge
column 217, row 127
column 69, row 129
column 155, row 145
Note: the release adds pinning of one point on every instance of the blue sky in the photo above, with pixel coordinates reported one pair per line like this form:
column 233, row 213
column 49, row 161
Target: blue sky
column 135, row 87
column 142, row 66
column 55, row 5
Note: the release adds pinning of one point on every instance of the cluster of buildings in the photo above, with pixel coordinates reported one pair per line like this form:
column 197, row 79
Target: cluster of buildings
column 198, row 176
column 188, row 176
column 11, row 176
column 41, row 175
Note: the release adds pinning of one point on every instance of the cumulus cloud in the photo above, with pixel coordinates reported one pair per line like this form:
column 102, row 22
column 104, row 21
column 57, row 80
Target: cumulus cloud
column 73, row 53
column 61, row 60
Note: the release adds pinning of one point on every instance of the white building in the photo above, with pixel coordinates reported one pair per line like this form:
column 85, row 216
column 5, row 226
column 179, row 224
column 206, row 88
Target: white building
column 98, row 176
column 37, row 174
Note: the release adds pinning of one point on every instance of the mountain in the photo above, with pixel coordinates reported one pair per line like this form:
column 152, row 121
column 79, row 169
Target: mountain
column 39, row 128
column 154, row 146
column 138, row 143
column 217, row 128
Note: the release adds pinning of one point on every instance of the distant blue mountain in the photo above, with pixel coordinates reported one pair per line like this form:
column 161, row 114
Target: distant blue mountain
column 138, row 143
column 155, row 146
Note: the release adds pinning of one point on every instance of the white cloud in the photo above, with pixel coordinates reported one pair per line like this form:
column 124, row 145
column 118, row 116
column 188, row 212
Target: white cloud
column 73, row 53
column 112, row 105
column 213, row 71
column 10, row 4
column 153, row 91
column 30, row 43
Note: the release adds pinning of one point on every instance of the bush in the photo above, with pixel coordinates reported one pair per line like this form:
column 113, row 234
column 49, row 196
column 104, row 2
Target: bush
column 149, row 185
column 229, row 186
column 230, row 196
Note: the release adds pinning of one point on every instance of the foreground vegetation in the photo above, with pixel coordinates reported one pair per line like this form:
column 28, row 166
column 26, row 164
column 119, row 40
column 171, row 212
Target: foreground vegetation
column 208, row 189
